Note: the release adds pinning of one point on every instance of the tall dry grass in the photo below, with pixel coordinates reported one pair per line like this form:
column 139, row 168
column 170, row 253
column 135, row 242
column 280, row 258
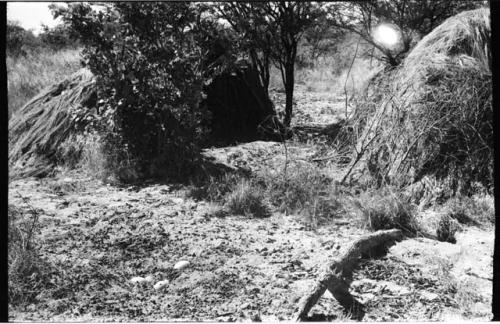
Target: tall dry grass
column 327, row 77
column 28, row 75
column 345, row 69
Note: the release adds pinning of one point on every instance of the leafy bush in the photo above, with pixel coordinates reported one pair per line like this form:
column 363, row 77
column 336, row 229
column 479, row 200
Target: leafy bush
column 386, row 209
column 149, row 60
column 22, row 42
column 247, row 199
column 58, row 38
column 19, row 41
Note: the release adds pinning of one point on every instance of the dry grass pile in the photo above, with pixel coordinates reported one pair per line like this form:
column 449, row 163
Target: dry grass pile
column 30, row 74
column 39, row 131
column 433, row 115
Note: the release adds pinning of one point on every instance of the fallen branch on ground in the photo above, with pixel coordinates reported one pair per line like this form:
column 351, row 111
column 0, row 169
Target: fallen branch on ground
column 337, row 273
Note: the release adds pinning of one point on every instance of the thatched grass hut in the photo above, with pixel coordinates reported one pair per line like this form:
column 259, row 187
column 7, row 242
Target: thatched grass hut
column 49, row 130
column 435, row 118
column 38, row 130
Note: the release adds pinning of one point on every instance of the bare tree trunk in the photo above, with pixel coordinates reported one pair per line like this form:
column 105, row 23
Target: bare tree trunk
column 289, row 84
column 337, row 273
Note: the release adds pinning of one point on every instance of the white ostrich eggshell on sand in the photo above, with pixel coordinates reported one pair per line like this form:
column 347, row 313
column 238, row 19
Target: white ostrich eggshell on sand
column 137, row 280
column 181, row 265
column 160, row 284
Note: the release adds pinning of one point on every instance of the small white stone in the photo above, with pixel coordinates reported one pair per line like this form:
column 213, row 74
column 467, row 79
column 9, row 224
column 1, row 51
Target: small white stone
column 181, row 265
column 137, row 280
column 429, row 296
column 160, row 284
column 177, row 201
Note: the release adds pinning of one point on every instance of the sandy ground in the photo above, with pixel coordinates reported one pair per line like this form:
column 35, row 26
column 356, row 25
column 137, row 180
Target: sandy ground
column 96, row 237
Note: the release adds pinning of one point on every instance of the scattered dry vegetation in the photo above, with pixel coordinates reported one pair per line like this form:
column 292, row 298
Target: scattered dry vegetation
column 386, row 209
column 247, row 199
column 429, row 119
column 436, row 117
column 27, row 270
column 436, row 288
column 44, row 132
column 475, row 210
column 28, row 75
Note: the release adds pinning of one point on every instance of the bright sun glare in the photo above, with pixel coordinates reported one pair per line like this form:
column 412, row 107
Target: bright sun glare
column 386, row 35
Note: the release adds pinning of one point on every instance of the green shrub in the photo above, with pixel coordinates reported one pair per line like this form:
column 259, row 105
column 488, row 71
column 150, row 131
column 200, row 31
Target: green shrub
column 149, row 59
column 446, row 229
column 247, row 199
column 58, row 37
column 386, row 209
column 19, row 41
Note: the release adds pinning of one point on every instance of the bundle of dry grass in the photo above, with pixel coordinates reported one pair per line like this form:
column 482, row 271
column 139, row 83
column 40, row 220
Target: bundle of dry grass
column 436, row 118
column 38, row 129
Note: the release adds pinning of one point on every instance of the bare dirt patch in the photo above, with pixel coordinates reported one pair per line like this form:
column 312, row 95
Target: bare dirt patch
column 97, row 237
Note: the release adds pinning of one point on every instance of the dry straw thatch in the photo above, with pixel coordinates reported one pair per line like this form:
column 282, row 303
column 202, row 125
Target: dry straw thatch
column 434, row 116
column 38, row 130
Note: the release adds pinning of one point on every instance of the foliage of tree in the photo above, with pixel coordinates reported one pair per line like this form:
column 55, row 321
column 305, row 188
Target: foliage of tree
column 273, row 31
column 319, row 40
column 414, row 18
column 249, row 30
column 58, row 37
column 19, row 40
column 151, row 60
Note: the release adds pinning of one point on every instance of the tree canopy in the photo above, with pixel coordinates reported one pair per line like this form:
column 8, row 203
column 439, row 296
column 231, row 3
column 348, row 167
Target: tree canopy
column 414, row 18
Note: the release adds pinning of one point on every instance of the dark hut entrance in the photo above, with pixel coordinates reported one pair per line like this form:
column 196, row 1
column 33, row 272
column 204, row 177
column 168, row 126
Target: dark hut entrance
column 240, row 108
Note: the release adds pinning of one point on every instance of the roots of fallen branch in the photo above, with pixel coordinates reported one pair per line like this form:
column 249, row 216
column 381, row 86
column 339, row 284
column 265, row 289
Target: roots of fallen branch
column 338, row 272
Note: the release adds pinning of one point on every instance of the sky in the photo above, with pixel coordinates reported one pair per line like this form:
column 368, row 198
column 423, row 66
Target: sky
column 31, row 15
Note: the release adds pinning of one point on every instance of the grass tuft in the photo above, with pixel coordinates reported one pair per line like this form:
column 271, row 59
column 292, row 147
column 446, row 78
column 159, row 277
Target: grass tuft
column 247, row 199
column 474, row 210
column 214, row 188
column 300, row 189
column 27, row 270
column 386, row 209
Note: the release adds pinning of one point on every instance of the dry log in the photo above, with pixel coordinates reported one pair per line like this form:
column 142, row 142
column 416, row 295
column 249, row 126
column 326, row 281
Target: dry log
column 337, row 274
